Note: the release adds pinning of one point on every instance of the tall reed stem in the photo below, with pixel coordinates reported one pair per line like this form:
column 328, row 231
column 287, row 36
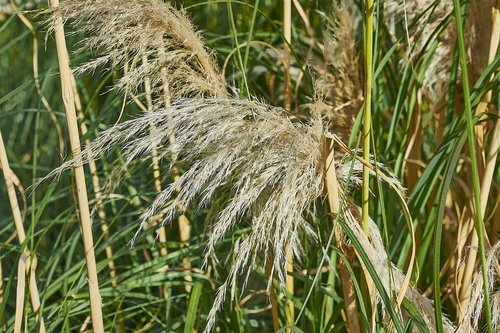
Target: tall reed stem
column 99, row 198
column 289, row 283
column 162, row 234
column 83, row 204
column 488, row 171
column 367, row 124
column 26, row 260
column 183, row 221
column 478, row 216
column 161, row 231
column 368, row 111
column 333, row 195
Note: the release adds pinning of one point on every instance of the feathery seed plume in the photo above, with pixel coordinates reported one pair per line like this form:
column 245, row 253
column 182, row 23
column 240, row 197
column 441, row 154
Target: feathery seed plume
column 421, row 21
column 271, row 166
column 121, row 33
column 338, row 82
column 474, row 309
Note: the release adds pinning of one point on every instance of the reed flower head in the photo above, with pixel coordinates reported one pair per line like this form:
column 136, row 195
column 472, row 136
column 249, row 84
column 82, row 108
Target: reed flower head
column 474, row 309
column 121, row 34
column 338, row 83
column 422, row 22
column 272, row 168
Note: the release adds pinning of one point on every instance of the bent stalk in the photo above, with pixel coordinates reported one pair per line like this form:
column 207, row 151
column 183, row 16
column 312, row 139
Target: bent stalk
column 26, row 259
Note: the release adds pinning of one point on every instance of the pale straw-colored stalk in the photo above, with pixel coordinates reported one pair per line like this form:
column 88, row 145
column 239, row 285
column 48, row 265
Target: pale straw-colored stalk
column 162, row 234
column 491, row 158
column 96, row 184
column 27, row 262
column 183, row 221
column 161, row 230
column 273, row 299
column 333, row 196
column 289, row 284
column 478, row 216
column 83, row 204
column 99, row 198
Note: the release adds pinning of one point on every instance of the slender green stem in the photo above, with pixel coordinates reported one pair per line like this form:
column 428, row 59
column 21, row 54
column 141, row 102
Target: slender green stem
column 472, row 151
column 234, row 33
column 368, row 110
column 250, row 34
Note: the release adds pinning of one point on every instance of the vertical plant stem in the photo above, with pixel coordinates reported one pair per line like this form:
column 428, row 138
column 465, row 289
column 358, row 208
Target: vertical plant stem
column 490, row 165
column 183, row 221
column 332, row 189
column 368, row 111
column 474, row 165
column 367, row 125
column 272, row 297
column 101, row 210
column 21, row 235
column 162, row 233
column 289, row 283
column 36, row 78
column 286, row 56
column 83, row 204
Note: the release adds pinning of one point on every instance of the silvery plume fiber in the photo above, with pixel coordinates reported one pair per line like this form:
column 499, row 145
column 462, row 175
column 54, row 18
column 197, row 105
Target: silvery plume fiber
column 420, row 23
column 391, row 277
column 271, row 166
column 338, row 78
column 474, row 309
column 124, row 34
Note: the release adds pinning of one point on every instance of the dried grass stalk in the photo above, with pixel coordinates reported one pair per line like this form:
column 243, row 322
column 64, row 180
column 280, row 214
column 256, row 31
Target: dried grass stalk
column 83, row 204
column 332, row 189
column 27, row 265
